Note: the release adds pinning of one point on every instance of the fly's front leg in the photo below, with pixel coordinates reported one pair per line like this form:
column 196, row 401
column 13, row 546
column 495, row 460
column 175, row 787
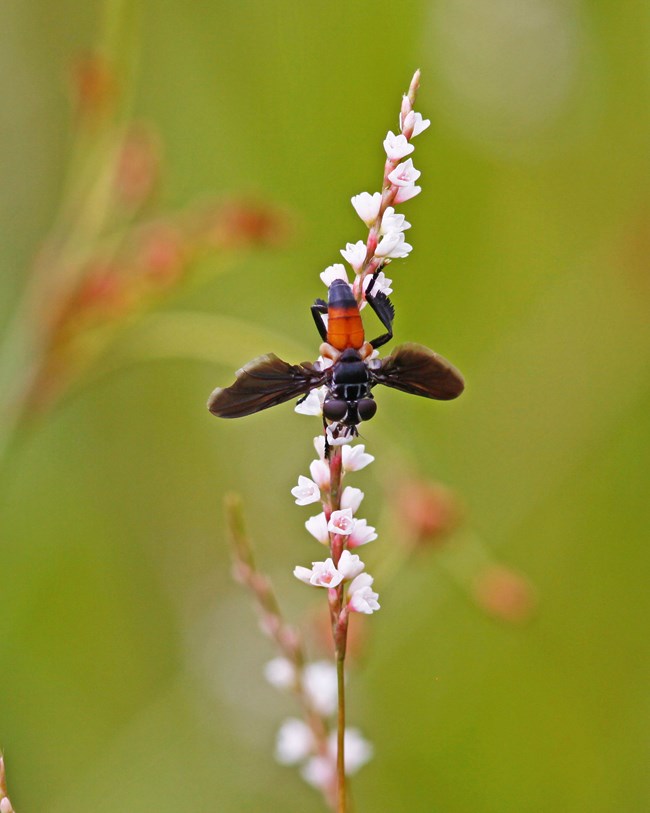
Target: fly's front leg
column 385, row 311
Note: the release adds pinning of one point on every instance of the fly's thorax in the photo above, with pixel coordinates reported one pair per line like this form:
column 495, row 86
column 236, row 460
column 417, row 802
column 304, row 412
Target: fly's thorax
column 349, row 399
column 349, row 372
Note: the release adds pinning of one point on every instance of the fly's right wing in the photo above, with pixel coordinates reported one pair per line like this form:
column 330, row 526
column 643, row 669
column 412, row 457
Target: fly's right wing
column 415, row 369
column 263, row 383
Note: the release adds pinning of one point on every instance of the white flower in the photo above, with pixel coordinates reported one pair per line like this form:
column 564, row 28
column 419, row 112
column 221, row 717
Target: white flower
column 355, row 457
column 415, row 120
column 317, row 527
column 367, row 206
column 358, row 751
column 319, row 772
column 294, row 742
column 397, row 146
column 319, row 445
column 361, row 596
column 382, row 285
column 350, row 565
column 303, row 573
column 320, row 473
column 280, row 673
column 306, row 492
column 391, row 221
column 393, row 246
column 341, row 522
column 404, row 174
column 338, row 434
column 405, row 193
column 313, row 403
column 320, row 684
column 351, row 498
column 332, row 272
column 362, row 534
column 355, row 253
column 322, row 574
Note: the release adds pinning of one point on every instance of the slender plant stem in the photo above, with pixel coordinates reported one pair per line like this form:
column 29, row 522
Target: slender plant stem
column 340, row 735
column 339, row 628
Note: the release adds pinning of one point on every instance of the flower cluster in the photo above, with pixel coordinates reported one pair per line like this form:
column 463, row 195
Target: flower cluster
column 349, row 591
column 339, row 529
column 385, row 240
column 300, row 743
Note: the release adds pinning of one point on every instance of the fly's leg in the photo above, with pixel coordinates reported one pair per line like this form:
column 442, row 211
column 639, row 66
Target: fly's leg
column 384, row 309
column 318, row 309
column 328, row 447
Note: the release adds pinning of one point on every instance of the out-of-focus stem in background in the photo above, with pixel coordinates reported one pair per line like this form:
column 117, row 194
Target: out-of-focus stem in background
column 110, row 255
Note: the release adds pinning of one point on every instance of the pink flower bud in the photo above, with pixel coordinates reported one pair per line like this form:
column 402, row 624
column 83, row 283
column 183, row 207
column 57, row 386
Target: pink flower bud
column 406, row 108
column 505, row 594
column 429, row 511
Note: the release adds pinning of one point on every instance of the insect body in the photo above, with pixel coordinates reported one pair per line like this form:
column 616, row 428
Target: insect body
column 348, row 372
column 344, row 326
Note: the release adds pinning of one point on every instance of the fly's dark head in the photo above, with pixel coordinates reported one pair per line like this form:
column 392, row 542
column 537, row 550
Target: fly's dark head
column 349, row 401
column 349, row 412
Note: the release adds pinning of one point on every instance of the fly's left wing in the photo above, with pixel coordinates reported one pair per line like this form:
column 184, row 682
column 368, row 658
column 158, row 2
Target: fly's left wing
column 415, row 369
column 263, row 383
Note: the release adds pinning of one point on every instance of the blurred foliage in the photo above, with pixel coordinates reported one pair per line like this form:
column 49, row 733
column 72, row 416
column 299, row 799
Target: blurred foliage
column 131, row 665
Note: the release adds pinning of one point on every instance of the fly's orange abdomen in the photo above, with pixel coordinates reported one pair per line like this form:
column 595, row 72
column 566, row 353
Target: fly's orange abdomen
column 344, row 326
column 344, row 329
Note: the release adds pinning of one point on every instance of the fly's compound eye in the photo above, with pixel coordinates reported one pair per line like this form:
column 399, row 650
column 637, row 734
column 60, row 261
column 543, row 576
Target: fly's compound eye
column 335, row 409
column 366, row 407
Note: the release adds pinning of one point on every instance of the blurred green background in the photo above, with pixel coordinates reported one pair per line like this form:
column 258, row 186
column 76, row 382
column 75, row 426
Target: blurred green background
column 130, row 663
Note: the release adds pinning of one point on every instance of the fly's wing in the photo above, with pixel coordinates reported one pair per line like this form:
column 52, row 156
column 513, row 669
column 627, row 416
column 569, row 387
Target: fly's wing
column 263, row 383
column 415, row 369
